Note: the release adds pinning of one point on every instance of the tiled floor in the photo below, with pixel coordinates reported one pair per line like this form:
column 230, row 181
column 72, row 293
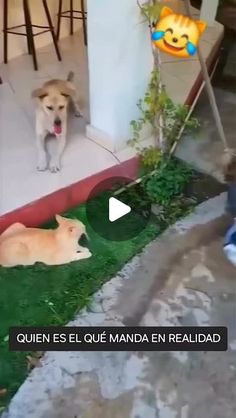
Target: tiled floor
column 20, row 182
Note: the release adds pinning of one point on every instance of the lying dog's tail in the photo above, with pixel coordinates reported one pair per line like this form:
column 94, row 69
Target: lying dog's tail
column 71, row 76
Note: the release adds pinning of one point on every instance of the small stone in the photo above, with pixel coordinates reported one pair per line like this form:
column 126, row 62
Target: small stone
column 95, row 307
column 156, row 209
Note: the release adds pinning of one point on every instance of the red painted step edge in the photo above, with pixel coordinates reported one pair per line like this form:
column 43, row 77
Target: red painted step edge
column 43, row 209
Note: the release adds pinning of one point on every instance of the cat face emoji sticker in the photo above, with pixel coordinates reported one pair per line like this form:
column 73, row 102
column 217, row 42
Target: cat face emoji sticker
column 176, row 34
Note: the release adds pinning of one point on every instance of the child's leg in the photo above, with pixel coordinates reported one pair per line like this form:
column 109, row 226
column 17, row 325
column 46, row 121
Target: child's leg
column 231, row 200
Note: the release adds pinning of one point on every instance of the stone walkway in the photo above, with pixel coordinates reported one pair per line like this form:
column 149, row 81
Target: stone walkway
column 181, row 279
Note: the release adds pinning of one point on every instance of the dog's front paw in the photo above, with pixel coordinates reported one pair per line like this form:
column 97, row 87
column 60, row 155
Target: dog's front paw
column 54, row 166
column 77, row 111
column 87, row 254
column 42, row 164
column 82, row 255
column 78, row 114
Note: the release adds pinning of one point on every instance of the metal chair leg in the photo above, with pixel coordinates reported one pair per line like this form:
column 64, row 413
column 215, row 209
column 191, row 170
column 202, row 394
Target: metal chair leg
column 5, row 24
column 27, row 29
column 84, row 22
column 30, row 36
column 59, row 19
column 51, row 29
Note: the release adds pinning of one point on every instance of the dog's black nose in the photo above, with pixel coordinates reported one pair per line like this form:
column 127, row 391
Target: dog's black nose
column 175, row 40
column 57, row 122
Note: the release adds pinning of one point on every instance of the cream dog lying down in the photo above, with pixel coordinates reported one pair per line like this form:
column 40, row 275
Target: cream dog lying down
column 20, row 245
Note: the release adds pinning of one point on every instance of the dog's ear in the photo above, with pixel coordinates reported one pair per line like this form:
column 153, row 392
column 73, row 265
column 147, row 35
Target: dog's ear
column 68, row 89
column 60, row 220
column 39, row 93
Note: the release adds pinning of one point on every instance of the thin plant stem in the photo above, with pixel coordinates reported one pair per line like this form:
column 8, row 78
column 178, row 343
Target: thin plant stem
column 157, row 65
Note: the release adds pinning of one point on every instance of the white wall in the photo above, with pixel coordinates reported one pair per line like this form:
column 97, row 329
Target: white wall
column 120, row 62
column 17, row 44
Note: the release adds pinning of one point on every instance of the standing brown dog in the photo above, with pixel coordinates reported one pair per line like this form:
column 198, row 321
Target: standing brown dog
column 51, row 118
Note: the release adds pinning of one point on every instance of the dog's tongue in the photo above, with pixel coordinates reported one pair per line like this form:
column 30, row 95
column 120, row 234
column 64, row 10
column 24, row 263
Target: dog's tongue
column 57, row 129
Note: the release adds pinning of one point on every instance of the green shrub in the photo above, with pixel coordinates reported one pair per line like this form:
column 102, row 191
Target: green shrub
column 168, row 182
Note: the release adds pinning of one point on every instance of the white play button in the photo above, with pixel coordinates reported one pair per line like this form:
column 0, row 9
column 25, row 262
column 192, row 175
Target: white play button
column 117, row 209
column 117, row 213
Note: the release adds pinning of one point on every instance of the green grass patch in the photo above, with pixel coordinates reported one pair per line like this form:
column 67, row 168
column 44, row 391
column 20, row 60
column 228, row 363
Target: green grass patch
column 43, row 295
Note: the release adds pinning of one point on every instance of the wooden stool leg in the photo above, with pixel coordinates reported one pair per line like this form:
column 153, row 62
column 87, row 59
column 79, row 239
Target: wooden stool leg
column 71, row 18
column 59, row 19
column 29, row 32
column 84, row 22
column 54, row 38
column 27, row 29
column 5, row 23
